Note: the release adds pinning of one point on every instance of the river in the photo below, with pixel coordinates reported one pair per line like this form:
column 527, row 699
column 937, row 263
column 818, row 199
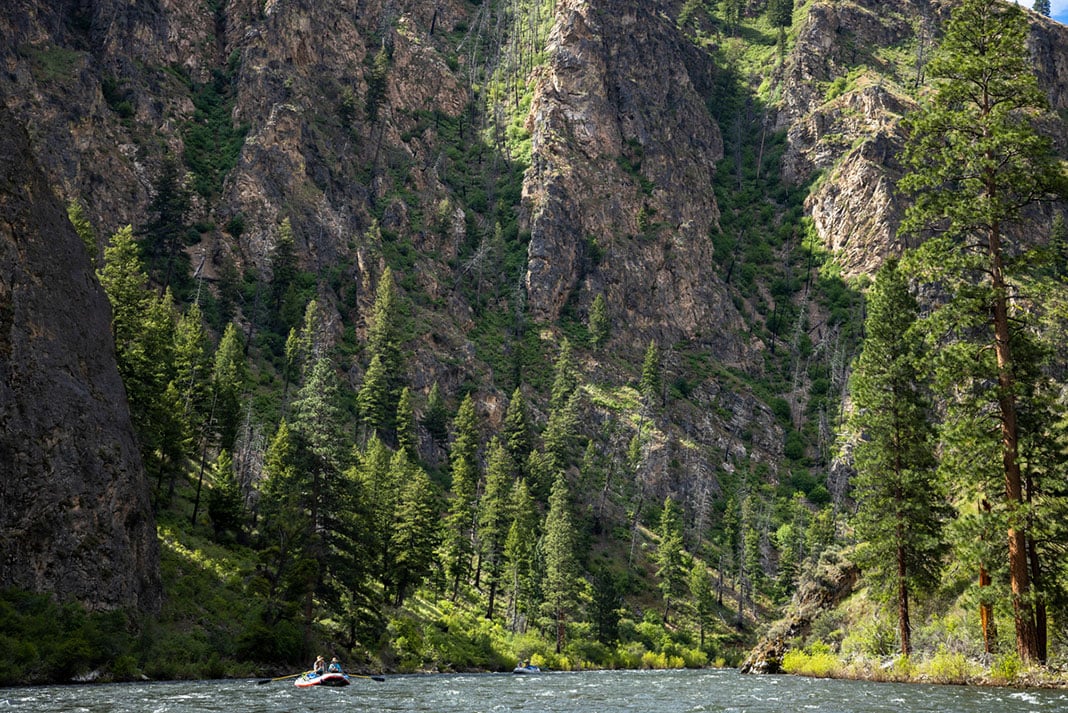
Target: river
column 720, row 691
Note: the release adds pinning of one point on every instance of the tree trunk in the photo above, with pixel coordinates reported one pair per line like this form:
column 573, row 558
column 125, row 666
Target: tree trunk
column 1023, row 612
column 904, row 628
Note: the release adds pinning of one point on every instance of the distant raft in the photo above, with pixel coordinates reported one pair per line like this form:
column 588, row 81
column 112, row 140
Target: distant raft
column 527, row 668
column 331, row 679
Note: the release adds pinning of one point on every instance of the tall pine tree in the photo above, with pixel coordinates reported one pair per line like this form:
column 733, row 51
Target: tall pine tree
column 900, row 503
column 975, row 161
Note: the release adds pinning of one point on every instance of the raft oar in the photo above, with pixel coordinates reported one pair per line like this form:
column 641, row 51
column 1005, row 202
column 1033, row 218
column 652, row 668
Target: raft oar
column 270, row 680
column 373, row 678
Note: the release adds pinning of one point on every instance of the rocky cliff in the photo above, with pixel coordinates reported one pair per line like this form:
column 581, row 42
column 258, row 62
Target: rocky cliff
column 852, row 74
column 75, row 518
column 556, row 150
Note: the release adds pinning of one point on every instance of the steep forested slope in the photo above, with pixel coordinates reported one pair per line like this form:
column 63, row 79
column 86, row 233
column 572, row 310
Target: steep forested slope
column 537, row 310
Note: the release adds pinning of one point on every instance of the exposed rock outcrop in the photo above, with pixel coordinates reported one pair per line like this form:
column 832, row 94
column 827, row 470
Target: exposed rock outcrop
column 822, row 589
column 846, row 84
column 619, row 196
column 75, row 518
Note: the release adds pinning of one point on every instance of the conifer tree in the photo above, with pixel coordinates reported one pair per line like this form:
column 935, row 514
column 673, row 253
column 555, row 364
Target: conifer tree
column 732, row 13
column 900, row 503
column 415, row 533
column 225, row 504
column 126, row 285
column 560, row 437
column 436, row 416
column 975, row 162
column 319, row 417
column 650, row 385
column 229, row 378
column 1042, row 7
column 384, row 379
column 516, row 428
column 458, row 545
column 284, row 300
column 381, row 481
column 519, row 552
column 165, row 233
column 384, row 330
column 407, row 438
column 565, row 376
column 702, row 597
column 671, row 562
column 599, row 325
column 561, row 565
column 377, row 409
column 493, row 520
column 191, row 366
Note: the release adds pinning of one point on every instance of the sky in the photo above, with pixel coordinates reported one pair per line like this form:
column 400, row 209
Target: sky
column 1059, row 9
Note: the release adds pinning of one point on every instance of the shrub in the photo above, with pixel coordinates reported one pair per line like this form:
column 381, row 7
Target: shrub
column 1006, row 668
column 816, row 661
column 945, row 667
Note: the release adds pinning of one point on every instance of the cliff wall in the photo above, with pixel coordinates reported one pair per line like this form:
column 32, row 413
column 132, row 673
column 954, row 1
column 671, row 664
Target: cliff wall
column 75, row 518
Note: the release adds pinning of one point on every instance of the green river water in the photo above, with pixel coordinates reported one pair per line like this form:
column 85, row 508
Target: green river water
column 589, row 692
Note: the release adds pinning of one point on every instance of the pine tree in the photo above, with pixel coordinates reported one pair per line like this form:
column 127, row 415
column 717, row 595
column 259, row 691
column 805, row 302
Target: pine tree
column 516, row 428
column 519, row 552
column 458, row 545
column 285, row 301
column 561, row 565
column 436, row 416
column 384, row 330
column 975, row 162
column 126, row 285
column 165, row 233
column 565, row 376
column 900, row 504
column 599, row 325
column 1042, row 7
column 377, row 408
column 407, row 438
column 650, row 385
column 229, row 379
column 493, row 520
column 191, row 366
column 381, row 480
column 671, row 565
column 225, row 504
column 560, row 437
column 383, row 380
column 732, row 13
column 415, row 533
column 703, row 598
column 781, row 15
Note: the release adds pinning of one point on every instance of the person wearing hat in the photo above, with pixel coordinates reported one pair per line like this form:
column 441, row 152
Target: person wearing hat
column 335, row 666
column 319, row 667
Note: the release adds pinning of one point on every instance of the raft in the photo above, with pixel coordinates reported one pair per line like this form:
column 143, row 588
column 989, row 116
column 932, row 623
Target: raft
column 334, row 680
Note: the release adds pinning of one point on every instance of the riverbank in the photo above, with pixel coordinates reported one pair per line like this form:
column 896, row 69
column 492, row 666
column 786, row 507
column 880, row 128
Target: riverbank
column 942, row 668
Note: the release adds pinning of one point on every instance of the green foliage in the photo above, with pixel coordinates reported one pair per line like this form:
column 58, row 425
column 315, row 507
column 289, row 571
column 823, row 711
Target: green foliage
column 986, row 362
column 599, row 324
column 816, row 661
column 901, row 506
column 45, row 641
column 225, row 504
column 84, row 229
column 212, row 142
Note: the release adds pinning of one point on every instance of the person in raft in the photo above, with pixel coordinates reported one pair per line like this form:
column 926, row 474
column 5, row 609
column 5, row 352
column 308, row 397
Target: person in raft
column 335, row 666
column 319, row 667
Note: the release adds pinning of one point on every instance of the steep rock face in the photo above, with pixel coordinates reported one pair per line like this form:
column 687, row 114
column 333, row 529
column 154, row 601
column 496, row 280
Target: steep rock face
column 75, row 518
column 619, row 195
column 855, row 137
